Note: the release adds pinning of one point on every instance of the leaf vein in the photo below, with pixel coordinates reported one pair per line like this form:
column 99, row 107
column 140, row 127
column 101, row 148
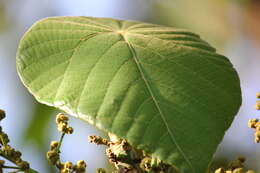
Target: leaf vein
column 156, row 103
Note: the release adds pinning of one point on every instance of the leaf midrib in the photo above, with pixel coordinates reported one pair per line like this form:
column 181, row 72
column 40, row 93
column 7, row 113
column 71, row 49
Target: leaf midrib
column 187, row 69
column 139, row 67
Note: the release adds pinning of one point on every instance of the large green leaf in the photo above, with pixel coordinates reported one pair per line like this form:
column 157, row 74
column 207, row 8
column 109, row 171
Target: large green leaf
column 163, row 89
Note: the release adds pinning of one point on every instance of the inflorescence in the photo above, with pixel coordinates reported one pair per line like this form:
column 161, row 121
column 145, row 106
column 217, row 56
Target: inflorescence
column 54, row 154
column 254, row 123
column 11, row 154
column 235, row 166
column 127, row 159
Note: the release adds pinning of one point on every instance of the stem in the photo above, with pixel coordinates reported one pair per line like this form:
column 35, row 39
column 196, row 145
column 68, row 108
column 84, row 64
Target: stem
column 61, row 139
column 58, row 150
column 10, row 167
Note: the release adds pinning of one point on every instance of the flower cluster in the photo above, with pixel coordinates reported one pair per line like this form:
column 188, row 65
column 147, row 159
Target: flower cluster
column 11, row 154
column 62, row 124
column 98, row 140
column 54, row 154
column 235, row 166
column 127, row 159
column 254, row 123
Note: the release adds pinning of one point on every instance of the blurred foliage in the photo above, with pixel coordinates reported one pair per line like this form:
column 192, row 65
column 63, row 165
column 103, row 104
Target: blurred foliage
column 242, row 2
column 252, row 15
column 208, row 18
column 3, row 17
column 215, row 20
column 38, row 131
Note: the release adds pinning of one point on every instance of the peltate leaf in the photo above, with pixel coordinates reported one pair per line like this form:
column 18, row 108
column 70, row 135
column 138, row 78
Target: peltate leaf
column 163, row 89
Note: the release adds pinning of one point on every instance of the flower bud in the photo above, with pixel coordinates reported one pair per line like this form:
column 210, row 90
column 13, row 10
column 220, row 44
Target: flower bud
column 146, row 164
column 68, row 165
column 252, row 123
column 258, row 95
column 53, row 156
column 60, row 118
column 54, row 145
column 62, row 127
column 257, row 136
column 69, row 130
column 220, row 170
column 5, row 138
column 2, row 114
column 98, row 140
column 257, row 105
column 81, row 166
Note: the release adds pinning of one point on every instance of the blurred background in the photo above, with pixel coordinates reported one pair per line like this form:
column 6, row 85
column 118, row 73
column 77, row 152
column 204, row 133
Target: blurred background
column 232, row 26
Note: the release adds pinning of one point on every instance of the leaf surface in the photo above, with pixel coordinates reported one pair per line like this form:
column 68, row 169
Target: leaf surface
column 163, row 89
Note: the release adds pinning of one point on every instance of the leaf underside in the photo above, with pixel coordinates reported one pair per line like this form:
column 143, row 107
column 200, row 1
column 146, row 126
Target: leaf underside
column 163, row 89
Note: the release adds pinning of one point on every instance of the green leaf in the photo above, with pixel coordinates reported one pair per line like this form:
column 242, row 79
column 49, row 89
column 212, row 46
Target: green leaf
column 163, row 89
